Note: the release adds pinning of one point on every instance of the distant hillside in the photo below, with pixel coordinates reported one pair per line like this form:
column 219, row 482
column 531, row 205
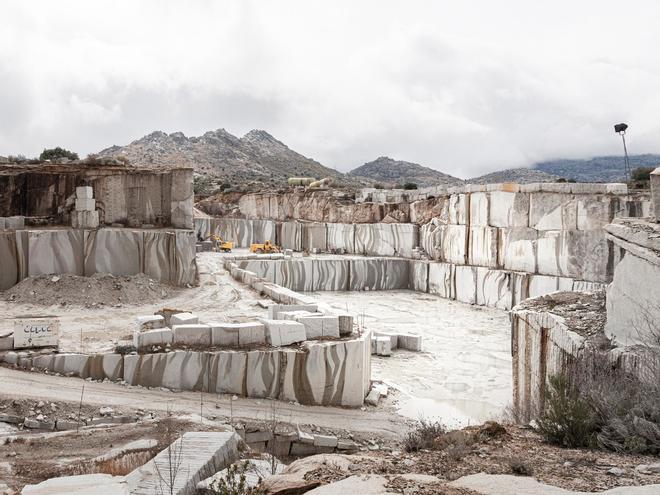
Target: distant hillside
column 598, row 169
column 389, row 172
column 520, row 175
column 255, row 159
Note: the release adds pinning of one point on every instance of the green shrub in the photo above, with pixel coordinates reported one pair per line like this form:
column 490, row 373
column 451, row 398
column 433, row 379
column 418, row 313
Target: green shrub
column 55, row 153
column 409, row 186
column 642, row 173
column 568, row 419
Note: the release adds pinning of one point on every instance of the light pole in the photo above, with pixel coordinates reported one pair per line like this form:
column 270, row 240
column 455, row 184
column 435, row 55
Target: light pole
column 621, row 130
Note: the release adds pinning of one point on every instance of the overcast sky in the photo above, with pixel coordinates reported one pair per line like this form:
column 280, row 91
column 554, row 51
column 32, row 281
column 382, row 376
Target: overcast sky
column 466, row 87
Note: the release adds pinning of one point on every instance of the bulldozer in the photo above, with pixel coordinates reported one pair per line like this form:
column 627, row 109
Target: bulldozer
column 265, row 248
column 219, row 244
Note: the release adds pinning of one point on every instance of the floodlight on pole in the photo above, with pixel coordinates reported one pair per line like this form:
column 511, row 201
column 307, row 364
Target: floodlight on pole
column 621, row 130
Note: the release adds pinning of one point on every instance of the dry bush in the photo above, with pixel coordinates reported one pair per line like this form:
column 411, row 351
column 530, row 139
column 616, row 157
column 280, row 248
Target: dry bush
column 520, row 467
column 597, row 404
column 423, row 436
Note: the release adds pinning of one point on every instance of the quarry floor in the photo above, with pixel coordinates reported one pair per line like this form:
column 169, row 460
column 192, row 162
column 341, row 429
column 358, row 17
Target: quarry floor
column 463, row 375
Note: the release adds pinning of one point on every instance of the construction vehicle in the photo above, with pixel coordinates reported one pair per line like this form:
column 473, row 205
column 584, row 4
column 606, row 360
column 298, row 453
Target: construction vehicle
column 265, row 248
column 219, row 244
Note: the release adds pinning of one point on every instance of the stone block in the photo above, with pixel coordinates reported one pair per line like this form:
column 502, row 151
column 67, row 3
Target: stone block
column 345, row 323
column 258, row 436
column 441, row 279
column 479, row 208
column 325, row 441
column 227, row 334
column 149, row 322
column 466, row 284
column 192, row 334
column 541, row 285
column 483, row 244
column 318, row 326
column 494, row 288
column 386, row 239
column 419, row 276
column 517, row 249
column 454, row 244
column 302, row 449
column 183, row 319
column 314, row 237
column 458, row 209
column 86, row 204
column 553, row 211
column 341, row 237
column 262, row 375
column 157, row 337
column 284, row 332
column 330, row 274
column 655, row 194
column 14, row 223
column 379, row 274
column 304, row 437
column 409, row 342
column 84, row 192
column 115, row 251
column 594, row 212
column 85, row 219
column 227, row 374
column 383, row 346
column 252, row 335
column 55, row 251
column 275, row 309
column 508, row 209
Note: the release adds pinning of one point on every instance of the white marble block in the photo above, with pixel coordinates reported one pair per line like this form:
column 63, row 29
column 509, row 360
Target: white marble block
column 227, row 334
column 409, row 342
column 85, row 219
column 284, row 332
column 183, row 319
column 149, row 322
column 383, row 346
column 84, row 192
column 254, row 334
column 160, row 336
column 85, row 204
column 317, row 326
column 192, row 334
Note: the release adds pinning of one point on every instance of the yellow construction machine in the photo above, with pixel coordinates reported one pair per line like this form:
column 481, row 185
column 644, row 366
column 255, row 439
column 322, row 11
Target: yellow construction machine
column 219, row 244
column 265, row 248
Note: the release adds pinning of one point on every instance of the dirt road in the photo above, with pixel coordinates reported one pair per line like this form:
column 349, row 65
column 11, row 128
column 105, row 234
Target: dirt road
column 15, row 384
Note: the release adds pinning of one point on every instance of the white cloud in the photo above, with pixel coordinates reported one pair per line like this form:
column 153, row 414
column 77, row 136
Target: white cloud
column 465, row 87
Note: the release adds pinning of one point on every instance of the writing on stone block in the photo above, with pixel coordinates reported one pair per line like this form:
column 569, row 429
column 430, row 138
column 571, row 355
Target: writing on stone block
column 36, row 332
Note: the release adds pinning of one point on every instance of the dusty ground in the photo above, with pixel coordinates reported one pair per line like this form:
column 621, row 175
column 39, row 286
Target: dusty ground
column 99, row 290
column 98, row 329
column 519, row 451
column 464, row 374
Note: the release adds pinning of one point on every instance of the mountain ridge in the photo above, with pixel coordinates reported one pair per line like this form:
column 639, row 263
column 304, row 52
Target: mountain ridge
column 389, row 171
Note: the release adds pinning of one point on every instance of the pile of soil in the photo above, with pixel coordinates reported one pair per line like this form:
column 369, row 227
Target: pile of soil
column 98, row 290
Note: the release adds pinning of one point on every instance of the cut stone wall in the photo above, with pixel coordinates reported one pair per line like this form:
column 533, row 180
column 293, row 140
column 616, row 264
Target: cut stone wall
column 541, row 346
column 329, row 373
column 166, row 256
column 633, row 302
column 131, row 197
column 483, row 286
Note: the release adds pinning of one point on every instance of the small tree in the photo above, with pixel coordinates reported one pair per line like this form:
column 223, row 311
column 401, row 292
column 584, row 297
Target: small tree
column 642, row 174
column 56, row 153
column 409, row 186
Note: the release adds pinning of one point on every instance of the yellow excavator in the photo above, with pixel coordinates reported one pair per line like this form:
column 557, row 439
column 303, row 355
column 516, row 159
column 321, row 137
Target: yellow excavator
column 265, row 248
column 219, row 244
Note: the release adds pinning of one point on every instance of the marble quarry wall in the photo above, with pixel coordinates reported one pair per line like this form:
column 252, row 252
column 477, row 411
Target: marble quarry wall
column 331, row 373
column 554, row 230
column 633, row 302
column 164, row 255
column 127, row 196
column 542, row 345
column 483, row 286
column 242, row 232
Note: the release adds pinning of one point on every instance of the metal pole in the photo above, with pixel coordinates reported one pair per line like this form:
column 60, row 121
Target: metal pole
column 625, row 152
